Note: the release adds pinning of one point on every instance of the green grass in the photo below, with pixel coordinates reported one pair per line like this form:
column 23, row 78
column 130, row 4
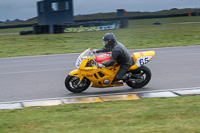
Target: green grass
column 139, row 34
column 154, row 115
column 114, row 15
column 14, row 30
column 133, row 14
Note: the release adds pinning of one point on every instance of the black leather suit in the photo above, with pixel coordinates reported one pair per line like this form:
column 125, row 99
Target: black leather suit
column 121, row 55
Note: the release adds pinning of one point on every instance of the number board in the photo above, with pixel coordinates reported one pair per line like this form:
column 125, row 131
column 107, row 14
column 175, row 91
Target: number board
column 143, row 60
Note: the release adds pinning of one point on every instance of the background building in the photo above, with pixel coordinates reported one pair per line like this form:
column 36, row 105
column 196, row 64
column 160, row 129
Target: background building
column 52, row 13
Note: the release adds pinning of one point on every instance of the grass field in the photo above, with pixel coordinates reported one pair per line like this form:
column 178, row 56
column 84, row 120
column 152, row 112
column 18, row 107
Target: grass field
column 139, row 34
column 114, row 15
column 154, row 115
column 14, row 30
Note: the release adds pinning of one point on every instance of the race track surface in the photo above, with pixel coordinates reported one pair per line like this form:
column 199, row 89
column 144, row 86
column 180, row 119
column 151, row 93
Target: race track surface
column 40, row 77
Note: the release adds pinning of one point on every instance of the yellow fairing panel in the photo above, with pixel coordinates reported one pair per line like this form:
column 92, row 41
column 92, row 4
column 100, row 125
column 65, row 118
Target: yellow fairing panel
column 76, row 73
column 141, row 58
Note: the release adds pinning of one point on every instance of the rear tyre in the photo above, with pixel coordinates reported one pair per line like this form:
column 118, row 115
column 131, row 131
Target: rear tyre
column 142, row 77
column 71, row 83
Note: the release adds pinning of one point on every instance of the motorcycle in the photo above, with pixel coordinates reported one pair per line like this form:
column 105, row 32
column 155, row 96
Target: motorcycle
column 89, row 74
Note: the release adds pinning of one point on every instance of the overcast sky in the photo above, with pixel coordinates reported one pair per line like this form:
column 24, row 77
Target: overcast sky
column 26, row 9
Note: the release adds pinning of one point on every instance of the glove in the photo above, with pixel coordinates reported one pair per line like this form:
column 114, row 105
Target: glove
column 100, row 66
column 94, row 51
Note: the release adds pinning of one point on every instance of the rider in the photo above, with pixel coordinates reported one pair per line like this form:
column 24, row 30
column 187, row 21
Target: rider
column 119, row 54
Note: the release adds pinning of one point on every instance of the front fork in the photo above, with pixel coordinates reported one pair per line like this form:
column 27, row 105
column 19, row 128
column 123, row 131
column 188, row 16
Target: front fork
column 76, row 86
column 77, row 73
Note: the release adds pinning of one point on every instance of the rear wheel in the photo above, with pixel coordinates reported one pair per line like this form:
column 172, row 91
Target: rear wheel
column 74, row 85
column 140, row 77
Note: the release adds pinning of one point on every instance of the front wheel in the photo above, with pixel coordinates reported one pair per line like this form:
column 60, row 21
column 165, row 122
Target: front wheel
column 74, row 85
column 140, row 76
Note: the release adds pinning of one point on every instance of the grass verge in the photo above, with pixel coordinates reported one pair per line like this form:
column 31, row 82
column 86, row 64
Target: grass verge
column 14, row 30
column 139, row 34
column 154, row 115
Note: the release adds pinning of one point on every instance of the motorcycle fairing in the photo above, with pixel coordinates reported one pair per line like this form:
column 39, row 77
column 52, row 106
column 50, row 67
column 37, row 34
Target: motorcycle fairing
column 141, row 58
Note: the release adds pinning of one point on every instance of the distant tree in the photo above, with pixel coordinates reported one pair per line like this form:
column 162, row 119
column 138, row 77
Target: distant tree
column 7, row 21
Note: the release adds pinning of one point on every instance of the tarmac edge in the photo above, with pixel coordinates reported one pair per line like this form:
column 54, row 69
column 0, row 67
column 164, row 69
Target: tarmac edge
column 95, row 99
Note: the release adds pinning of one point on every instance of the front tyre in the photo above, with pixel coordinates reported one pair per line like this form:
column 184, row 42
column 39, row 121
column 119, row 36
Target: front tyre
column 140, row 76
column 74, row 85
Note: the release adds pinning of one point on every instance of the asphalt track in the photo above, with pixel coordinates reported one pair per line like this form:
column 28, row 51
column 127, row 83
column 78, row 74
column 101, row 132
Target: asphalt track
column 40, row 77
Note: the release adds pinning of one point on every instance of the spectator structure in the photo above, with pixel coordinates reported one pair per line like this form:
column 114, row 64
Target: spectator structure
column 52, row 13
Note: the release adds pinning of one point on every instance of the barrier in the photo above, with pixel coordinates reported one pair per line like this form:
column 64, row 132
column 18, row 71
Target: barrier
column 93, row 28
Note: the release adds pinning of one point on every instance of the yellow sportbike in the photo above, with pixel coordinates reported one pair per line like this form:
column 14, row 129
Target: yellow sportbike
column 88, row 74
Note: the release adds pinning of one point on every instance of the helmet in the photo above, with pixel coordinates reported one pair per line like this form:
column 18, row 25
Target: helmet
column 109, row 40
